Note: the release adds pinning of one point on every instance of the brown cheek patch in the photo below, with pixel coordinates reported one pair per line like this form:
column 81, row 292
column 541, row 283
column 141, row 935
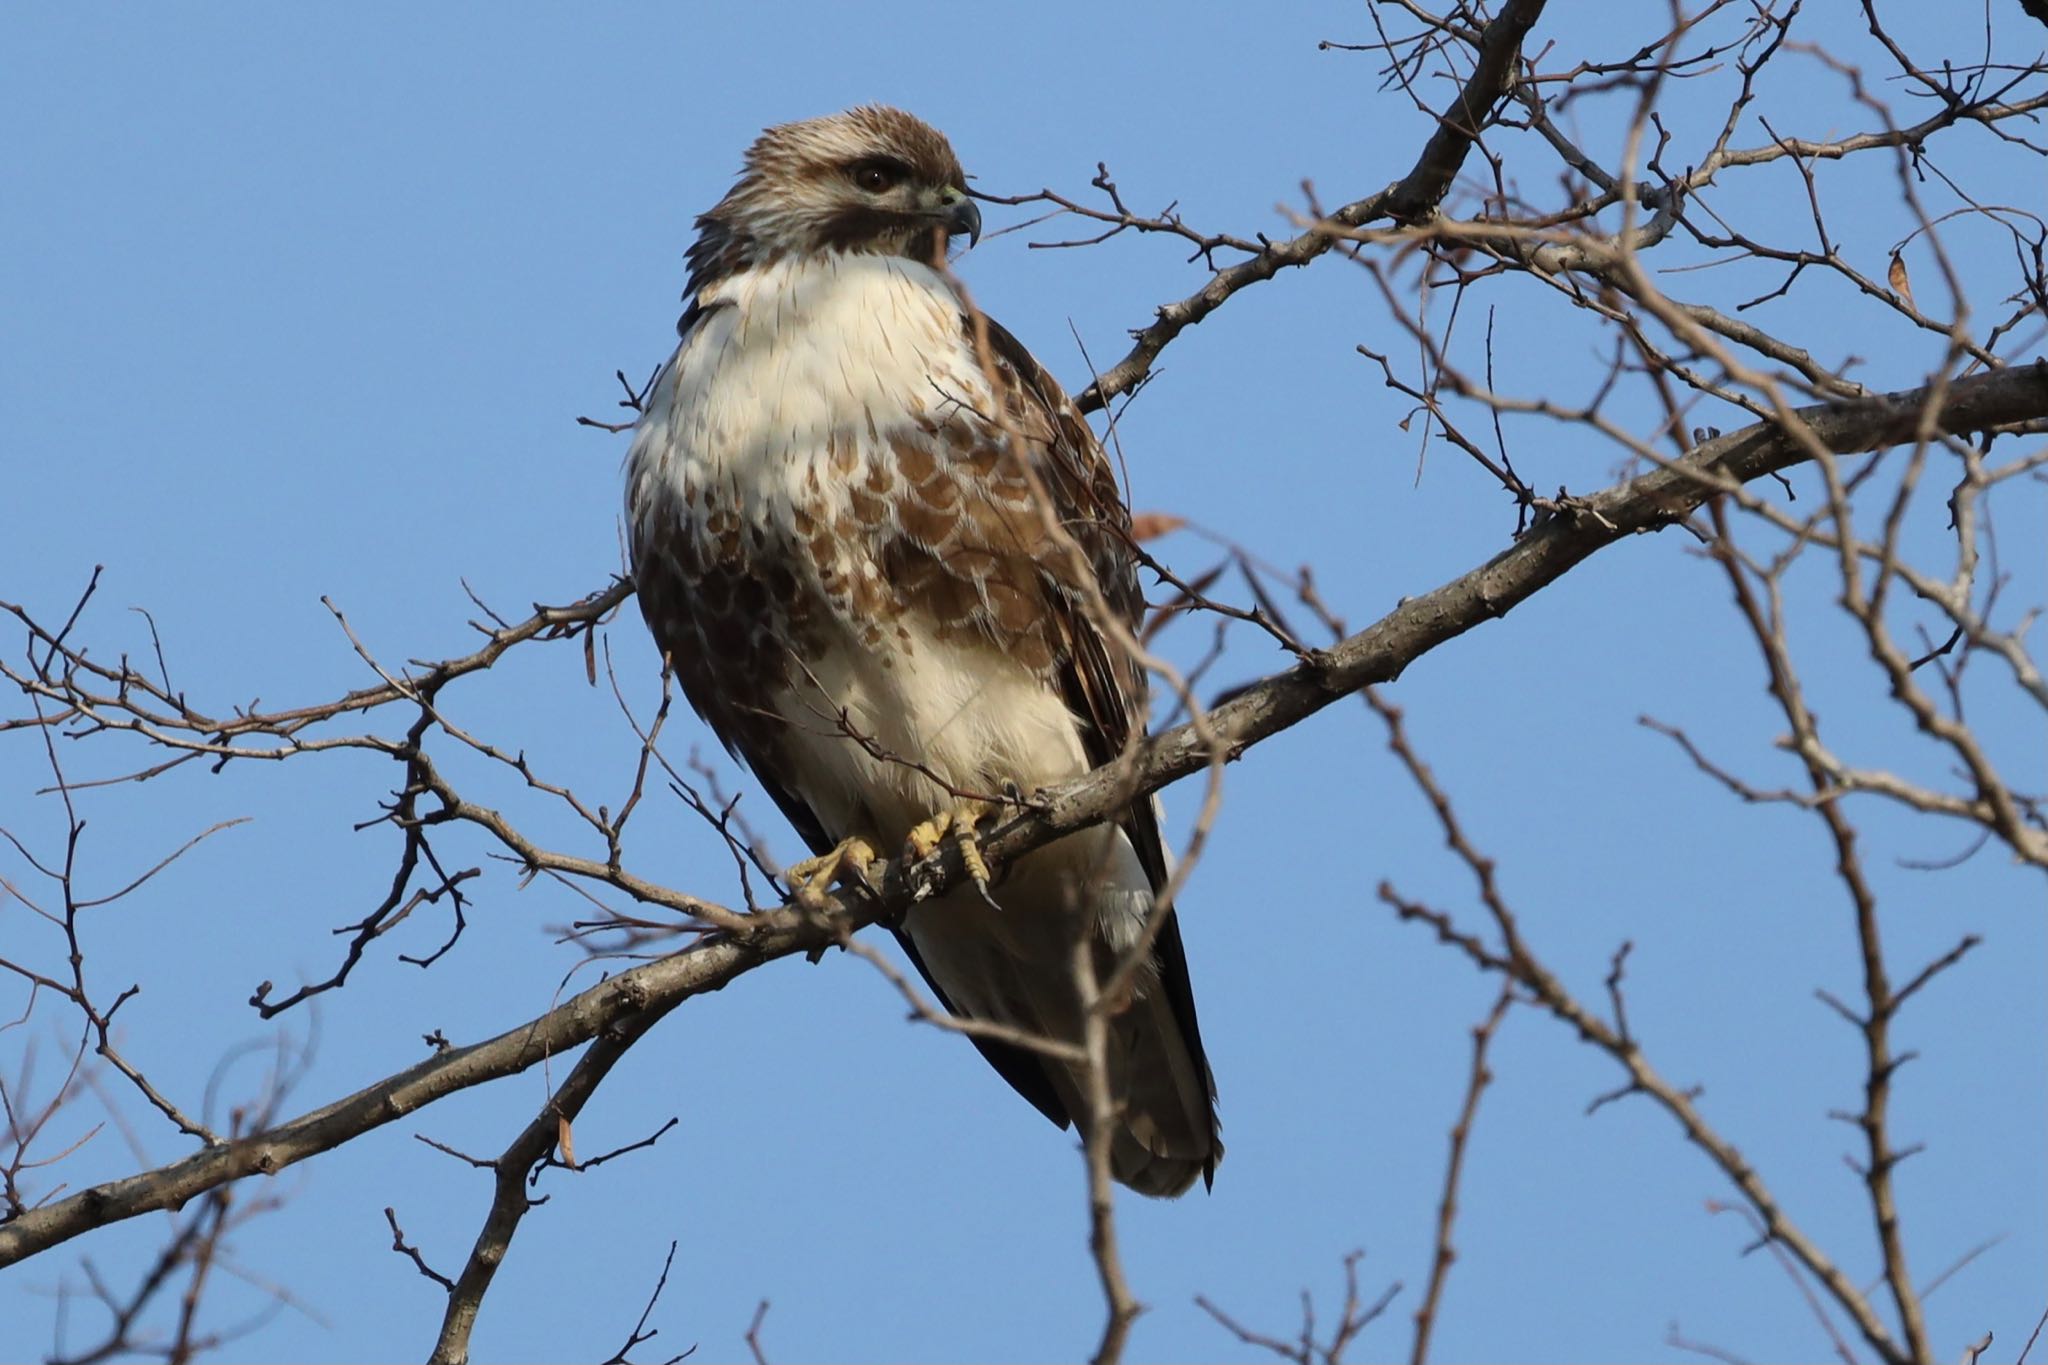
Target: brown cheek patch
column 858, row 225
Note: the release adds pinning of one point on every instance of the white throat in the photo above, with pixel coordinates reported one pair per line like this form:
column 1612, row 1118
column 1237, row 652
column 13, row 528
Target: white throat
column 788, row 356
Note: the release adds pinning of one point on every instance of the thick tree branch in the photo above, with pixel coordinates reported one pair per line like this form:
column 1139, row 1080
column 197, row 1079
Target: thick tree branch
column 1552, row 547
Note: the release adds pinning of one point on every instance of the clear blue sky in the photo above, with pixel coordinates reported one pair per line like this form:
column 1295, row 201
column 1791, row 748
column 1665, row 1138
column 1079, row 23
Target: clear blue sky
column 302, row 304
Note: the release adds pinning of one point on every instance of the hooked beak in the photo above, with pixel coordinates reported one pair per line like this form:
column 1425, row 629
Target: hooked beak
column 961, row 214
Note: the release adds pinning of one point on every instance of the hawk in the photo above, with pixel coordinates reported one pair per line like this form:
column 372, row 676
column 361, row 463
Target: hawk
column 837, row 504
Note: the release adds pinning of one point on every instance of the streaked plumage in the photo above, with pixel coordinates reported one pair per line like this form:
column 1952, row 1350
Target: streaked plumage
column 831, row 534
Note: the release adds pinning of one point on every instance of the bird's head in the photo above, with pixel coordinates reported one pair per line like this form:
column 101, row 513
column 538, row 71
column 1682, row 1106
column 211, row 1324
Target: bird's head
column 873, row 179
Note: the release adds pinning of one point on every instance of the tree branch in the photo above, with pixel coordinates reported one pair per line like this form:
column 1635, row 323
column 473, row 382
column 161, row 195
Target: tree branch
column 1413, row 198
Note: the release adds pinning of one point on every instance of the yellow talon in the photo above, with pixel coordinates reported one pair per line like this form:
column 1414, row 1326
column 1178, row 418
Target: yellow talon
column 925, row 838
column 960, row 822
column 811, row 878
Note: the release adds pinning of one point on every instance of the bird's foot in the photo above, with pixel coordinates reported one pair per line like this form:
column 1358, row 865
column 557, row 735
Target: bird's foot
column 959, row 822
column 810, row 879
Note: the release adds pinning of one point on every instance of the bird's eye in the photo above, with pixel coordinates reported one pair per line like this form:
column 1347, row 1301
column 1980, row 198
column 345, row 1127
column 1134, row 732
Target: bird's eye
column 876, row 177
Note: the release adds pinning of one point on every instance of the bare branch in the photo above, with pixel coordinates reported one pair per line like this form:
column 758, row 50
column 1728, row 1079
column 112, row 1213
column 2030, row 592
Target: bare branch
column 1413, row 197
column 1447, row 1206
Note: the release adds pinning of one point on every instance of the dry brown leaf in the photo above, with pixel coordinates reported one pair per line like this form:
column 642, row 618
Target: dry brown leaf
column 1896, row 276
column 590, row 655
column 1152, row 525
column 565, row 1140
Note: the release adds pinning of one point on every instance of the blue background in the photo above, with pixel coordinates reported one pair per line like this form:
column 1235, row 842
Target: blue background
column 305, row 304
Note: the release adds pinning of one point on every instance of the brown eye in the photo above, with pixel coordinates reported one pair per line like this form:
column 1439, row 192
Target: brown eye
column 876, row 177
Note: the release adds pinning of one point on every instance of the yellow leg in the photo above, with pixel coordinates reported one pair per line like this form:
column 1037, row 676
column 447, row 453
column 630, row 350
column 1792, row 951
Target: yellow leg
column 958, row 821
column 811, row 878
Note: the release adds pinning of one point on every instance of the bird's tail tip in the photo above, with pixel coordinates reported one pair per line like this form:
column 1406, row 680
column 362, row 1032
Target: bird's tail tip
column 1136, row 1166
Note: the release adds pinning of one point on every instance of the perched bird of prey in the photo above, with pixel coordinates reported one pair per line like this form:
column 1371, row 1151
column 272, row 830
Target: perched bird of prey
column 880, row 548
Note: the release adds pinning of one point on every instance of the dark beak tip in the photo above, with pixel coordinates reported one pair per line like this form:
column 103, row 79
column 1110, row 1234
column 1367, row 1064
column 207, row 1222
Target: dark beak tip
column 966, row 217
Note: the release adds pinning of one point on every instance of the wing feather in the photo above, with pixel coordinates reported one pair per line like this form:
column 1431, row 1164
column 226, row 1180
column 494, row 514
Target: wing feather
column 1101, row 683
